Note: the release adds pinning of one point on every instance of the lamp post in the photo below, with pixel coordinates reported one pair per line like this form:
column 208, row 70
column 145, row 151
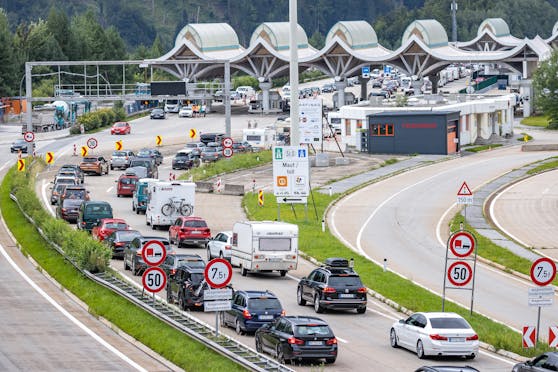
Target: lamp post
column 293, row 76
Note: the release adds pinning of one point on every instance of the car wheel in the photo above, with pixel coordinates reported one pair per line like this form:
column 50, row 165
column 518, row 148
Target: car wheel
column 361, row 310
column 181, row 302
column 126, row 267
column 317, row 307
column 283, row 272
column 330, row 360
column 280, row 355
column 134, row 271
column 238, row 328
column 208, row 254
column 221, row 255
column 259, row 348
column 169, row 295
column 420, row 350
column 299, row 300
column 133, row 208
column 111, row 167
column 393, row 338
column 243, row 271
column 472, row 356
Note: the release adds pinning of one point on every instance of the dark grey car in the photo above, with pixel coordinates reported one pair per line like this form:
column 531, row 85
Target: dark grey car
column 544, row 362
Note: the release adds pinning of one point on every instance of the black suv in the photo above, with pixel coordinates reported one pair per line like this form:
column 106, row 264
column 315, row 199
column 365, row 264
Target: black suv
column 544, row 362
column 174, row 260
column 297, row 338
column 333, row 286
column 132, row 253
column 211, row 137
column 186, row 287
column 251, row 309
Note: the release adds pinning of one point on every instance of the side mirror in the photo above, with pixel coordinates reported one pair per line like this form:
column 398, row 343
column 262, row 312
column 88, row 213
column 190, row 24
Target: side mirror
column 402, row 321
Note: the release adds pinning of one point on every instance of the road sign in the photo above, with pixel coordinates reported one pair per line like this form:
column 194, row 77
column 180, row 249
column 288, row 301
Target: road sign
column 153, row 252
column 541, row 296
column 92, row 143
column 217, row 294
column 218, row 273
column 154, row 279
column 221, row 305
column 158, row 140
column 118, row 145
column 300, row 200
column 192, row 133
column 553, row 336
column 228, row 152
column 464, row 195
column 366, row 72
column 49, row 157
column 21, row 165
column 543, row 271
column 83, row 151
column 291, row 171
column 29, row 136
column 470, row 90
column 310, row 121
column 260, row 198
column 462, row 244
column 227, row 142
column 460, row 273
column 529, row 334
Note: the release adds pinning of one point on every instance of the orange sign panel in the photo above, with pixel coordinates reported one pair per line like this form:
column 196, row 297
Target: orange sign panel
column 282, row 181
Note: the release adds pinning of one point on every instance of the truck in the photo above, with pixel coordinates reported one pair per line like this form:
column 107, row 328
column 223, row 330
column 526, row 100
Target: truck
column 168, row 200
column 260, row 138
column 264, row 246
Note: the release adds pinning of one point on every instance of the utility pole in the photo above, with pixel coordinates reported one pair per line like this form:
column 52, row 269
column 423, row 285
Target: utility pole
column 454, row 21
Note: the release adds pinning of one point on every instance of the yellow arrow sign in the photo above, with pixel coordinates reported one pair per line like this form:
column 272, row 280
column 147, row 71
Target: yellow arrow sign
column 193, row 133
column 118, row 145
column 158, row 140
column 49, row 157
column 21, row 165
column 83, row 150
column 260, row 198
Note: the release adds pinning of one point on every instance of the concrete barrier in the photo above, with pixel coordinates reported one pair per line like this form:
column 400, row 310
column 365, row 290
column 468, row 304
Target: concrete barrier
column 342, row 161
column 204, row 186
column 233, row 189
column 549, row 147
column 322, row 159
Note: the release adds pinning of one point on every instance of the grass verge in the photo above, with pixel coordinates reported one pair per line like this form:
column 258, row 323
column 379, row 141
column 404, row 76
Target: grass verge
column 157, row 335
column 536, row 121
column 544, row 167
column 483, row 147
column 236, row 162
column 321, row 245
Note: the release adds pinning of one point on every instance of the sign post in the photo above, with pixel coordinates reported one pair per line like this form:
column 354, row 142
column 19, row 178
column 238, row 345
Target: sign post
column 543, row 272
column 153, row 254
column 218, row 274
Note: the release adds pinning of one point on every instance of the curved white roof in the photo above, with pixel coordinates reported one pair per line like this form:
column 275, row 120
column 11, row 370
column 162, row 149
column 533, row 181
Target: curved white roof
column 208, row 37
column 356, row 34
column 497, row 26
column 430, row 31
column 277, row 35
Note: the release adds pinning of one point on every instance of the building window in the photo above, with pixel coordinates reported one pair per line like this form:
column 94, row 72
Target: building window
column 382, row 130
column 359, row 124
column 347, row 127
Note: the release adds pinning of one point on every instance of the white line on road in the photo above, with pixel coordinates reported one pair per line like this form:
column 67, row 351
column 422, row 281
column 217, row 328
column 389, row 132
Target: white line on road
column 46, row 202
column 110, row 189
column 64, row 312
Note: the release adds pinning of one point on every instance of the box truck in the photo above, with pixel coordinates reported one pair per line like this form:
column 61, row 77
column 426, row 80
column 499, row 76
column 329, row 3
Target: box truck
column 167, row 201
column 264, row 246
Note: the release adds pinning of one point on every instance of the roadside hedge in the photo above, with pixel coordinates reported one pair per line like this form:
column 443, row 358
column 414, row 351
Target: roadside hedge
column 99, row 119
column 85, row 252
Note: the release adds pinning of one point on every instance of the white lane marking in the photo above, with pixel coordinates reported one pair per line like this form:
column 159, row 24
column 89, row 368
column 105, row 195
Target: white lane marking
column 110, row 189
column 341, row 339
column 5, row 165
column 64, row 312
column 498, row 225
column 46, row 201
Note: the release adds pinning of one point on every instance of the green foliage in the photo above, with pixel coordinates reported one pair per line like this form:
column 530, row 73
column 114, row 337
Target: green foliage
column 100, row 118
column 483, row 147
column 536, row 121
column 544, row 167
column 245, row 80
column 546, row 87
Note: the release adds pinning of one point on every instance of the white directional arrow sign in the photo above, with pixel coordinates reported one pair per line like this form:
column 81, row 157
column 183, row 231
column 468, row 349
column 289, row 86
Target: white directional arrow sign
column 529, row 336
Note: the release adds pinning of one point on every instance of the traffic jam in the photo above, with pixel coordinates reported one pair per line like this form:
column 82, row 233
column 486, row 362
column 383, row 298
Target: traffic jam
column 196, row 268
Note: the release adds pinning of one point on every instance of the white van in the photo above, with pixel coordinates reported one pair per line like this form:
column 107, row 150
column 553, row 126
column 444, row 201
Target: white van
column 263, row 246
column 246, row 91
column 172, row 105
column 167, row 201
column 260, row 138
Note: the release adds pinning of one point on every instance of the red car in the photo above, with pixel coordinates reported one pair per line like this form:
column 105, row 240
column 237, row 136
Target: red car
column 189, row 230
column 107, row 226
column 126, row 184
column 121, row 127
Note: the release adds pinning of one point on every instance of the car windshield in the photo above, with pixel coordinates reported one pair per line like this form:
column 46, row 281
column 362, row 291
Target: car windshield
column 128, row 181
column 210, row 149
column 312, row 330
column 449, row 323
column 120, row 124
column 119, row 153
column 97, row 209
column 195, row 223
column 191, row 145
column 75, row 194
column 128, row 236
column 71, row 203
column 264, row 303
column 144, row 153
column 140, row 163
column 59, row 187
column 196, row 278
column 345, row 281
column 195, row 263
column 116, row 225
column 89, row 160
column 181, row 155
column 157, row 111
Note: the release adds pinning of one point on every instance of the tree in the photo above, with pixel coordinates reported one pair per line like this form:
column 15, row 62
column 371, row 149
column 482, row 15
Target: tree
column 545, row 84
column 317, row 40
column 9, row 76
column 59, row 26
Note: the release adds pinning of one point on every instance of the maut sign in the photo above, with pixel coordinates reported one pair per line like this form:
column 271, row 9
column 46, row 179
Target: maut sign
column 291, row 171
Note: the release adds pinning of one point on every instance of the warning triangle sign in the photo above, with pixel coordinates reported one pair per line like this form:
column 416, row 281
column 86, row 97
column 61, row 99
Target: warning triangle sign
column 464, row 190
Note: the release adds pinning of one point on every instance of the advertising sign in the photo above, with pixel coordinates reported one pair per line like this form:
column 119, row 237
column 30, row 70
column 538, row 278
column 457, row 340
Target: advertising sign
column 310, row 121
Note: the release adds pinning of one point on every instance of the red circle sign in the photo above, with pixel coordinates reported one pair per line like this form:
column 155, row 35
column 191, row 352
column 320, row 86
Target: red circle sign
column 92, row 143
column 154, row 279
column 227, row 142
column 543, row 271
column 462, row 244
column 153, row 253
column 227, row 152
column 460, row 273
column 29, row 136
column 218, row 273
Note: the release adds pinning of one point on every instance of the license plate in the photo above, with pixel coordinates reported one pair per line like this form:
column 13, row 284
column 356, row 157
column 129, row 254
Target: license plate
column 196, row 232
column 314, row 343
column 265, row 317
column 346, row 295
column 275, row 259
column 456, row 339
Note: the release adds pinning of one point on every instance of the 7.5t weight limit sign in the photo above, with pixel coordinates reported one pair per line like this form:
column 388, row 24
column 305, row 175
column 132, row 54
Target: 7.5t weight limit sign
column 543, row 271
column 218, row 273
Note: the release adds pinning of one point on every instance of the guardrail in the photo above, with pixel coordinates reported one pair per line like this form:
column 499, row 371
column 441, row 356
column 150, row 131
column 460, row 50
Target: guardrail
column 180, row 320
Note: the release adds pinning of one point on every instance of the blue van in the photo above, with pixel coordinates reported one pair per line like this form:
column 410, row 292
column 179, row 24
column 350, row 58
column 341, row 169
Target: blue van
column 140, row 197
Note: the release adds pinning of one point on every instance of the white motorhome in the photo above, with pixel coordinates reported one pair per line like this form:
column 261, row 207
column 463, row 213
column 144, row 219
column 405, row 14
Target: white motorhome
column 260, row 138
column 263, row 246
column 334, row 119
column 172, row 105
column 167, row 201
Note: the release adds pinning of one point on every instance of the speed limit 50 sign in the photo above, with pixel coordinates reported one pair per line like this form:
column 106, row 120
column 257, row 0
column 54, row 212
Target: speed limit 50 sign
column 460, row 273
column 154, row 279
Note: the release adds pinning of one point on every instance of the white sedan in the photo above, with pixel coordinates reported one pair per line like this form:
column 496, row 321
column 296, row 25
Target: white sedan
column 186, row 112
column 220, row 246
column 435, row 334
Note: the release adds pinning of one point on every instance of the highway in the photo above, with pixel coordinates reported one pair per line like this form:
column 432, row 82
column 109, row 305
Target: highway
column 363, row 338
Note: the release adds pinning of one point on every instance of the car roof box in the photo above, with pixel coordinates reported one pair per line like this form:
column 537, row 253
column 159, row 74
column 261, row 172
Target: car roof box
column 337, row 262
